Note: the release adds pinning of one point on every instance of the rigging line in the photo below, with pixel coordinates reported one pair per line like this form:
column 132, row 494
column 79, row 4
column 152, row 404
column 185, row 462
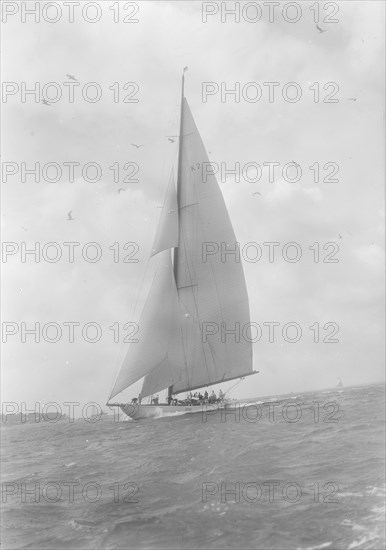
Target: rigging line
column 234, row 386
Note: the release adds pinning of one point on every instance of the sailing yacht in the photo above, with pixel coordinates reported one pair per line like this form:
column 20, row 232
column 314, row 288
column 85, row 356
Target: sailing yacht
column 195, row 297
column 339, row 383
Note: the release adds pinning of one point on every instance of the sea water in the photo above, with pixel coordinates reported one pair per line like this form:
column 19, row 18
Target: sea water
column 293, row 472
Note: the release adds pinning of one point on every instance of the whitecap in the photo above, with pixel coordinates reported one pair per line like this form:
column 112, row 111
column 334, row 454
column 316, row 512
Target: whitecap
column 319, row 547
column 362, row 541
column 161, row 414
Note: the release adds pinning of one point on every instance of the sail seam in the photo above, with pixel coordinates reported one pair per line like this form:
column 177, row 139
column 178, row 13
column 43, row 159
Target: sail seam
column 186, row 286
column 187, row 205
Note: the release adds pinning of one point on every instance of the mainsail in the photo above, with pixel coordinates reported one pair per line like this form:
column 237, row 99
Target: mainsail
column 193, row 329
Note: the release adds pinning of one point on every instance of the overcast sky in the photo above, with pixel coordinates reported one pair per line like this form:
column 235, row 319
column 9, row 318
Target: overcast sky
column 152, row 53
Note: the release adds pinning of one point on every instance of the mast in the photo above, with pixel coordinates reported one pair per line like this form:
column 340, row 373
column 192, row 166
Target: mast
column 175, row 255
column 175, row 258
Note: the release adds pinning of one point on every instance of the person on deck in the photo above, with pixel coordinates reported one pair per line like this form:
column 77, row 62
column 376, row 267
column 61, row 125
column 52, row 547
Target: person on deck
column 220, row 395
column 206, row 396
column 139, row 399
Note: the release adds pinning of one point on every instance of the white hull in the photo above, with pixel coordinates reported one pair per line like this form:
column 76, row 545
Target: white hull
column 138, row 412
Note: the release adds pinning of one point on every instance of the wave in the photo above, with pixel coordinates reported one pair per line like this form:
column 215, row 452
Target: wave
column 318, row 547
column 161, row 414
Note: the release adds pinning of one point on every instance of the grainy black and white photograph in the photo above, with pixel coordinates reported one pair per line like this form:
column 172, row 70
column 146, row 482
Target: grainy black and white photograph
column 193, row 272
